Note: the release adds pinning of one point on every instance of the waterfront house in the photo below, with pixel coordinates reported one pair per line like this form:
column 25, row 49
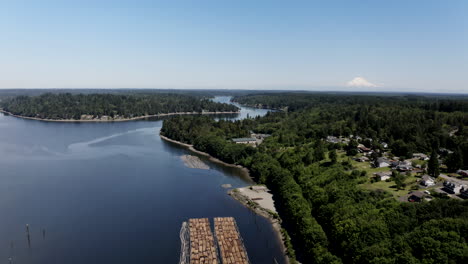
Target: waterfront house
column 250, row 141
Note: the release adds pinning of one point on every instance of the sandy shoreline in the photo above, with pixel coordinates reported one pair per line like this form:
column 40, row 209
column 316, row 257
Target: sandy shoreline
column 243, row 199
column 273, row 217
column 115, row 120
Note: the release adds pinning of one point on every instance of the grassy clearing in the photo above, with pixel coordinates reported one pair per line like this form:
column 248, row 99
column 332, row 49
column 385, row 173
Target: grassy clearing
column 390, row 186
column 381, row 185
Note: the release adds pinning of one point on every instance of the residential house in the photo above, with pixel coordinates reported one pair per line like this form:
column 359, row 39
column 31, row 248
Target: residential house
column 420, row 156
column 383, row 176
column 333, row 139
column 384, row 144
column 381, row 162
column 404, row 167
column 416, row 196
column 362, row 159
column 463, row 173
column 401, row 165
column 445, row 151
column 363, row 149
column 336, row 140
column 250, row 141
column 427, row 181
column 394, row 163
column 259, row 136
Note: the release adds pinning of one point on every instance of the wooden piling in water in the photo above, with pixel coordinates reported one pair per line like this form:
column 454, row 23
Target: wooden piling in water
column 28, row 235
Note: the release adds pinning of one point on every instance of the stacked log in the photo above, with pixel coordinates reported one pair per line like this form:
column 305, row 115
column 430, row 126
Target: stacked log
column 229, row 241
column 202, row 246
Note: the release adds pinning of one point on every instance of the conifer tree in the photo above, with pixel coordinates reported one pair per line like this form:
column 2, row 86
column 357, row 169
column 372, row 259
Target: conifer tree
column 433, row 165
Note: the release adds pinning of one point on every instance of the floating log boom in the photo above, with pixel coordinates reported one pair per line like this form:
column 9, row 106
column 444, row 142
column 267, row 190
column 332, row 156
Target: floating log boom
column 230, row 242
column 202, row 244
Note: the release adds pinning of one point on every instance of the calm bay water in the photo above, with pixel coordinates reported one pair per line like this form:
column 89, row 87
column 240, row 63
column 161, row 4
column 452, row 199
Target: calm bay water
column 110, row 193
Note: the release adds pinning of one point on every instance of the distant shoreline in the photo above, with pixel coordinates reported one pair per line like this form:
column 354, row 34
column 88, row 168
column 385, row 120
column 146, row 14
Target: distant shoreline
column 116, row 120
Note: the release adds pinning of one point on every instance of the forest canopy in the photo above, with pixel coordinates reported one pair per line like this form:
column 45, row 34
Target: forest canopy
column 328, row 215
column 73, row 106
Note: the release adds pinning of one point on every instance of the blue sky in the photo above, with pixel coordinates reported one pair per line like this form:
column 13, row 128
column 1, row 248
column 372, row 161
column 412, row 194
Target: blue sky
column 318, row 45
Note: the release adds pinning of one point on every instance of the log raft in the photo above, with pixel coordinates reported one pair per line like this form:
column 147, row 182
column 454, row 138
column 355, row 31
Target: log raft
column 230, row 243
column 202, row 245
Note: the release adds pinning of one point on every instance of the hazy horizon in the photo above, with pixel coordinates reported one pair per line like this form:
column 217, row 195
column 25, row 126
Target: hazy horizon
column 397, row 46
column 330, row 90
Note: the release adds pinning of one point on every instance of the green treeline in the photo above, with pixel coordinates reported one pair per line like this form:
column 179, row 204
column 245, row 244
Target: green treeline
column 407, row 124
column 210, row 136
column 295, row 101
column 72, row 106
column 329, row 218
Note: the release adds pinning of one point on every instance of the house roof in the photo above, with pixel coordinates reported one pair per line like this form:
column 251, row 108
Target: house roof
column 418, row 194
column 243, row 139
column 427, row 178
column 383, row 173
column 382, row 159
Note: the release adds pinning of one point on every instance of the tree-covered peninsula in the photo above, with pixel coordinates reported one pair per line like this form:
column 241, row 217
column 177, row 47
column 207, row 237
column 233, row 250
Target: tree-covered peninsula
column 103, row 107
column 322, row 163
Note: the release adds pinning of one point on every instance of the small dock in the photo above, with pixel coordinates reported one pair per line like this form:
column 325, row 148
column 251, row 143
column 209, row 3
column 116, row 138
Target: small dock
column 202, row 244
column 230, row 242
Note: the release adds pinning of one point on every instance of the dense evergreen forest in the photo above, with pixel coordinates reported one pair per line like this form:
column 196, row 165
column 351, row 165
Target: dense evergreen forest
column 407, row 123
column 296, row 101
column 74, row 106
column 328, row 215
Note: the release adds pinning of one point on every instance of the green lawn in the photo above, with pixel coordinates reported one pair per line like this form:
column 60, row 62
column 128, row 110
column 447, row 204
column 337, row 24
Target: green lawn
column 390, row 186
column 381, row 185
